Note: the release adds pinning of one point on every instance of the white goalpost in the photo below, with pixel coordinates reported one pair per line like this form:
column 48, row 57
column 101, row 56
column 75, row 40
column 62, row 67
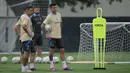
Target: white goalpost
column 117, row 43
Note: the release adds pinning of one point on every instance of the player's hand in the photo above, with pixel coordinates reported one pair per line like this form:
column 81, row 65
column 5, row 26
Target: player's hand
column 31, row 34
column 47, row 36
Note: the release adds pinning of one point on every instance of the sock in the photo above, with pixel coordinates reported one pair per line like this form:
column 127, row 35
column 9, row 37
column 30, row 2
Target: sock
column 51, row 64
column 23, row 67
column 64, row 64
column 31, row 65
column 26, row 67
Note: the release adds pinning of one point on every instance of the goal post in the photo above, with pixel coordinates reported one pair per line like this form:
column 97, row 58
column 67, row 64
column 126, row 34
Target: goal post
column 117, row 43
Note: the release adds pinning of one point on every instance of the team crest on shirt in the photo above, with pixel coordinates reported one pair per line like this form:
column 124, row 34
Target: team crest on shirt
column 36, row 19
column 39, row 22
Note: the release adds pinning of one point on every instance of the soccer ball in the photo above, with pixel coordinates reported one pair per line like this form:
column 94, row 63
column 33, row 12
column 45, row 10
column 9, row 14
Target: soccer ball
column 16, row 60
column 69, row 58
column 45, row 59
column 55, row 59
column 4, row 59
column 13, row 60
column 38, row 60
column 48, row 27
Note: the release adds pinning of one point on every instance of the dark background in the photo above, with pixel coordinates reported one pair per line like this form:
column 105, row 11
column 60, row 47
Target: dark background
column 71, row 31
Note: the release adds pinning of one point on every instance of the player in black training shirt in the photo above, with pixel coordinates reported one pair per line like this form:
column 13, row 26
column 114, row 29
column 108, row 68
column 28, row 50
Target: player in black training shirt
column 37, row 20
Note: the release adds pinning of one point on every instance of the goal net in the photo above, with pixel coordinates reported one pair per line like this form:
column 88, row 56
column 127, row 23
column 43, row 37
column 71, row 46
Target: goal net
column 8, row 36
column 117, row 42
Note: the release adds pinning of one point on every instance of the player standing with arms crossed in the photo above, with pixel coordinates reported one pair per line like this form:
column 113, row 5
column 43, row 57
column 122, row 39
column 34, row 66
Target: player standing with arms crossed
column 54, row 19
column 26, row 34
column 36, row 19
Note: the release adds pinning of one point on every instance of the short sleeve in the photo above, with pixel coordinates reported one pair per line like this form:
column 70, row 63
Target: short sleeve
column 18, row 22
column 60, row 18
column 47, row 20
column 25, row 20
column 32, row 17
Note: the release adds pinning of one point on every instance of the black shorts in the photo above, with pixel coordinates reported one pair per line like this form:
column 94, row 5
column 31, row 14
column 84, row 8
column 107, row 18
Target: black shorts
column 27, row 46
column 55, row 43
column 37, row 39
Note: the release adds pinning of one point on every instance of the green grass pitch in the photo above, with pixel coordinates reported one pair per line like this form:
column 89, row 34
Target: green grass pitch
column 78, row 68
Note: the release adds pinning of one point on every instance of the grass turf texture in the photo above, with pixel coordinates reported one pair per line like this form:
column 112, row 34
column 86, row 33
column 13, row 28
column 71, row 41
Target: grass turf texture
column 78, row 68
